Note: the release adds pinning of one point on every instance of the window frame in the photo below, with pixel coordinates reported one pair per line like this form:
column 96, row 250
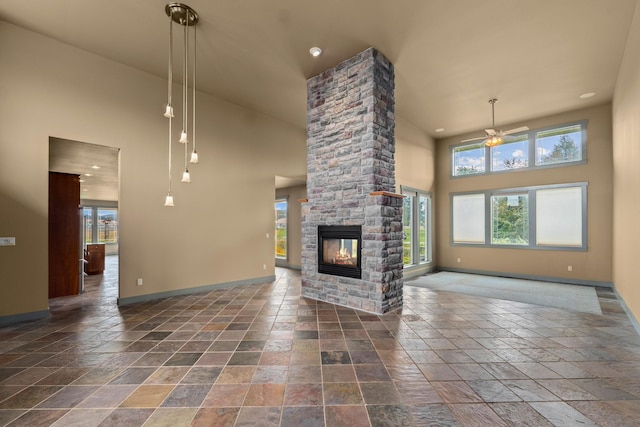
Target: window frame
column 531, row 192
column 531, row 153
column 416, row 195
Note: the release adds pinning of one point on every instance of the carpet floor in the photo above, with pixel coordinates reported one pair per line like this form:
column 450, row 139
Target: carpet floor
column 548, row 294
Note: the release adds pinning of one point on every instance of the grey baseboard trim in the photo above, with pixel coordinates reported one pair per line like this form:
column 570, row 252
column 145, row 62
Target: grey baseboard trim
column 583, row 282
column 24, row 317
column 289, row 266
column 416, row 271
column 198, row 289
column 284, row 264
column 630, row 315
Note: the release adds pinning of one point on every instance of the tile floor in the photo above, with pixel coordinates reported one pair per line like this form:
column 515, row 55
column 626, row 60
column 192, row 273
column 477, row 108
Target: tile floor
column 262, row 356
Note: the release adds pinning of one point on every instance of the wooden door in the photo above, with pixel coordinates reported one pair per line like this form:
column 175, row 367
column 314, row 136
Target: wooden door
column 64, row 234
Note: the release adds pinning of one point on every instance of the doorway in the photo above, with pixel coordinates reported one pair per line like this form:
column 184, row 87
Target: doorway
column 91, row 256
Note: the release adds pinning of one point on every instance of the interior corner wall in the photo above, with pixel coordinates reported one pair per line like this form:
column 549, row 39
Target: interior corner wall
column 416, row 168
column 216, row 232
column 593, row 265
column 294, row 225
column 626, row 175
column 415, row 157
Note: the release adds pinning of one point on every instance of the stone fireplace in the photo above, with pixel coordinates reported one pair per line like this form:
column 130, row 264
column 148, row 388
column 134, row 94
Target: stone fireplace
column 350, row 188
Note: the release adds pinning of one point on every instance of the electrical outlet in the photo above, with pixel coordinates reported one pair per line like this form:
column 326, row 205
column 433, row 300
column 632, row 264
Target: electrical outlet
column 570, row 268
column 7, row 241
column 264, row 266
column 459, row 259
column 267, row 235
column 139, row 281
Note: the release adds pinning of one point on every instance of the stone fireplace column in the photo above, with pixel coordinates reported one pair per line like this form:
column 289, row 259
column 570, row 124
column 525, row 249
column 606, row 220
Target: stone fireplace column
column 351, row 181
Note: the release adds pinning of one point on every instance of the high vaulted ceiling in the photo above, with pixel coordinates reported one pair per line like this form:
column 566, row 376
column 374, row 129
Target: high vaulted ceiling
column 451, row 56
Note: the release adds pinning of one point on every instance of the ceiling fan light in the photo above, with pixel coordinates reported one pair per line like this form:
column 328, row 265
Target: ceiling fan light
column 168, row 112
column 186, row 177
column 493, row 141
column 168, row 201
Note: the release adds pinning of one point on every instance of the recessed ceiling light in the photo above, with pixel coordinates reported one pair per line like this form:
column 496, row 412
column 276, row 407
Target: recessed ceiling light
column 439, row 130
column 87, row 174
column 315, row 51
column 95, row 167
column 587, row 95
column 82, row 180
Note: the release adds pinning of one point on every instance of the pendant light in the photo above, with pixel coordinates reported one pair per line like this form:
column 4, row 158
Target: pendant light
column 185, row 16
column 194, row 153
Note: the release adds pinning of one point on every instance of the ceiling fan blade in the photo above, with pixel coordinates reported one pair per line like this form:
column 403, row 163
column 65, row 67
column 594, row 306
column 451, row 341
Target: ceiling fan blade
column 516, row 130
column 474, row 139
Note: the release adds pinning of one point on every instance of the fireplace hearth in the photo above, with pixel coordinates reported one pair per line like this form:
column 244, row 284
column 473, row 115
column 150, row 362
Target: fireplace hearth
column 339, row 250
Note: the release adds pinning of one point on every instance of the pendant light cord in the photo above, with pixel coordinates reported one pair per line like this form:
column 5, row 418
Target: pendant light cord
column 186, row 89
column 193, row 83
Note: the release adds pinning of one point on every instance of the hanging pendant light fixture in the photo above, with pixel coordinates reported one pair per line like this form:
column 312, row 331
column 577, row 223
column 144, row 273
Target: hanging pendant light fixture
column 194, row 153
column 181, row 14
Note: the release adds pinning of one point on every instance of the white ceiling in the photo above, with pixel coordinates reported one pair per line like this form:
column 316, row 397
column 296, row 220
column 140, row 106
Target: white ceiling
column 450, row 56
column 96, row 165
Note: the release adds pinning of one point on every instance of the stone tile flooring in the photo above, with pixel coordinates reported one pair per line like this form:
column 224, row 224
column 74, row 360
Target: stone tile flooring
column 262, row 356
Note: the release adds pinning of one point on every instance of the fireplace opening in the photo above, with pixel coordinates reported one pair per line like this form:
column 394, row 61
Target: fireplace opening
column 339, row 250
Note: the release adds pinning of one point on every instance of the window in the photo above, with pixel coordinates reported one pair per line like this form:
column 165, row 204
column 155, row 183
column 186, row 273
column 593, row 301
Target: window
column 416, row 227
column 510, row 155
column 561, row 145
column 468, row 218
column 107, row 225
column 541, row 217
column 559, row 213
column 469, row 159
column 549, row 147
column 281, row 228
column 100, row 224
column 510, row 219
column 407, row 230
column 87, row 214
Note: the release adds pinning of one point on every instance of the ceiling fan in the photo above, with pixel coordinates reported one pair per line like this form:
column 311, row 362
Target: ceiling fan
column 495, row 136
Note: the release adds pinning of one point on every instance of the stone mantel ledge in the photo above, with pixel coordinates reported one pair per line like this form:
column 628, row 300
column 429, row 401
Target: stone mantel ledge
column 372, row 194
column 386, row 193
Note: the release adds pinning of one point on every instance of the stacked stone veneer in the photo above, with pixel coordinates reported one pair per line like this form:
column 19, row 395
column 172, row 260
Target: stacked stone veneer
column 351, row 181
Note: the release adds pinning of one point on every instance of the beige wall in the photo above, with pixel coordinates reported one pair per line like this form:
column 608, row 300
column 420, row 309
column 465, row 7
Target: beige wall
column 626, row 177
column 215, row 234
column 415, row 157
column 294, row 224
column 592, row 265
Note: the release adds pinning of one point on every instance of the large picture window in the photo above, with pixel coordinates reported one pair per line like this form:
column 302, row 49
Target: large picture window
column 540, row 148
column 510, row 219
column 541, row 217
column 416, row 223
